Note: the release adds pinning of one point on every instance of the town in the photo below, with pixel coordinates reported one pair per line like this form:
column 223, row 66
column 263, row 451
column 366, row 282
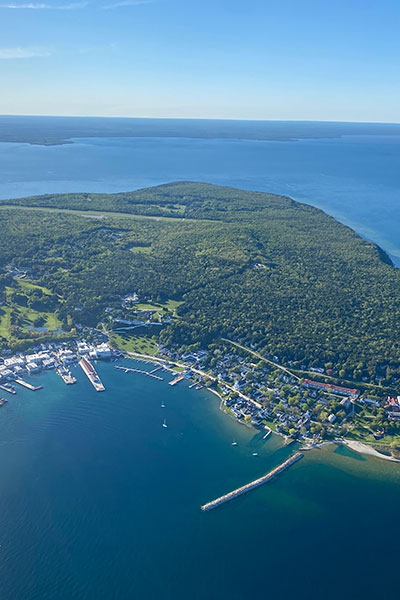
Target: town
column 254, row 390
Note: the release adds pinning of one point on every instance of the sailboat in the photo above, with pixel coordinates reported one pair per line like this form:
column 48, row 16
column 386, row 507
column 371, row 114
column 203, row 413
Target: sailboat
column 165, row 424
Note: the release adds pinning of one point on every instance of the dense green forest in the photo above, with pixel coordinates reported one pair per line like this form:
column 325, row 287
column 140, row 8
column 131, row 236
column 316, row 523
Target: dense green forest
column 259, row 268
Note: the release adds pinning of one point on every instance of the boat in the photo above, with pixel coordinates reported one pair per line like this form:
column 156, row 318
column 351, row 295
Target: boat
column 234, row 443
column 255, row 453
column 3, row 401
column 162, row 404
column 7, row 387
column 165, row 424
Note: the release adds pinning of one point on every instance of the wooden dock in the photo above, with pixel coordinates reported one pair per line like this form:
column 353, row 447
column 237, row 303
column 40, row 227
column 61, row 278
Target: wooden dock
column 253, row 484
column 177, row 380
column 28, row 385
column 130, row 370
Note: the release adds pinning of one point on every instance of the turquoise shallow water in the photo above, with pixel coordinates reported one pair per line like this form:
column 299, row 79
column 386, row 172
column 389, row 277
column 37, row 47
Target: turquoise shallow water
column 98, row 500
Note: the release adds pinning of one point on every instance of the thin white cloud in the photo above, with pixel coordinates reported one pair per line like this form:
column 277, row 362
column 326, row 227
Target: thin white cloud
column 23, row 52
column 44, row 6
column 122, row 3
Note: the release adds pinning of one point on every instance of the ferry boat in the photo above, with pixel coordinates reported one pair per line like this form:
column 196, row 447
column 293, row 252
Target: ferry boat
column 91, row 374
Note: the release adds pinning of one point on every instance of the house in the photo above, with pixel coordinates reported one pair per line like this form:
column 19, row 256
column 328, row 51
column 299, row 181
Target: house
column 345, row 403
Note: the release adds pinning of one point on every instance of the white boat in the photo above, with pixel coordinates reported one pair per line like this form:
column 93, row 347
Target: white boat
column 165, row 424
column 162, row 404
column 234, row 443
column 255, row 453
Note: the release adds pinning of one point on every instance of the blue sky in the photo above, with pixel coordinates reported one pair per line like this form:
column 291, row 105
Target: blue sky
column 254, row 59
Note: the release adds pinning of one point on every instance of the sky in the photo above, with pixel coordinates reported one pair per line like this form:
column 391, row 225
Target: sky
column 336, row 60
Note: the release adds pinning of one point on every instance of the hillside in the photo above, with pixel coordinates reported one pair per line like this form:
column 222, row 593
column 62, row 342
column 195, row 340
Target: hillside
column 255, row 267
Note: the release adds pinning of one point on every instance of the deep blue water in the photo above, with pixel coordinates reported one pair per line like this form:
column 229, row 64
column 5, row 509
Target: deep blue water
column 354, row 178
column 99, row 501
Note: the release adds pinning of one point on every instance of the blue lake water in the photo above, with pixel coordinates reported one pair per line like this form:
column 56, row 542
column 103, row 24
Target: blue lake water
column 98, row 501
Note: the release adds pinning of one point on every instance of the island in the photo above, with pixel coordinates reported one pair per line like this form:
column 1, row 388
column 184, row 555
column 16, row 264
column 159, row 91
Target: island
column 290, row 316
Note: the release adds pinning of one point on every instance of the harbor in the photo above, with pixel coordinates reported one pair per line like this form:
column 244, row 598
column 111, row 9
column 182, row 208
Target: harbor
column 253, row 484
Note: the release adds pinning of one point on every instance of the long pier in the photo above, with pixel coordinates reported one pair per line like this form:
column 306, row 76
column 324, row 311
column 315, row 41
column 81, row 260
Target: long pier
column 28, row 385
column 130, row 370
column 253, row 484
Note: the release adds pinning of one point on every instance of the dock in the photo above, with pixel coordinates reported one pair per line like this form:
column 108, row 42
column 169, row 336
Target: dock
column 177, row 380
column 66, row 376
column 8, row 389
column 155, row 370
column 267, row 434
column 28, row 386
column 253, row 484
column 148, row 373
column 91, row 374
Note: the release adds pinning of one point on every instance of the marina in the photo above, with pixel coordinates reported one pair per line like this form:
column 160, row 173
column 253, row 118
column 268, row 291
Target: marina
column 253, row 484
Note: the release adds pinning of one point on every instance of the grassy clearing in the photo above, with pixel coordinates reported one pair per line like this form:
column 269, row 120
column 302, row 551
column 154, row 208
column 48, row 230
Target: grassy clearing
column 129, row 342
column 5, row 322
column 162, row 307
column 99, row 214
column 26, row 285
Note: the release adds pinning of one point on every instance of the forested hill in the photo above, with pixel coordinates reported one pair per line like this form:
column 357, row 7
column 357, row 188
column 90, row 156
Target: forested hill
column 255, row 267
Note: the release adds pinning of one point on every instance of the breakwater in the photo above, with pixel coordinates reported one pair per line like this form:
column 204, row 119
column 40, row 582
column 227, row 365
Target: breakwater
column 253, row 484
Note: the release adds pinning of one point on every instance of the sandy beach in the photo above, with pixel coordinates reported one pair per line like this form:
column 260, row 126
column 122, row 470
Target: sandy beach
column 366, row 449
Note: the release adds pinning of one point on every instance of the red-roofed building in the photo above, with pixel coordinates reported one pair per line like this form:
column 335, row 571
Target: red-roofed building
column 335, row 389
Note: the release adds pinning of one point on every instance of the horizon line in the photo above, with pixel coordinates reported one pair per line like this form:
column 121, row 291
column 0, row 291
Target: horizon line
column 245, row 119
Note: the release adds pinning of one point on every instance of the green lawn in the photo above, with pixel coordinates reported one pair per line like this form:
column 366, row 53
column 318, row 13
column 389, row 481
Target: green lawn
column 134, row 343
column 160, row 307
column 5, row 312
column 28, row 285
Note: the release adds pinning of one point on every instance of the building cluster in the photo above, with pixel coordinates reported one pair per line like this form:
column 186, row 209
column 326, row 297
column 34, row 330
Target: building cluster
column 50, row 356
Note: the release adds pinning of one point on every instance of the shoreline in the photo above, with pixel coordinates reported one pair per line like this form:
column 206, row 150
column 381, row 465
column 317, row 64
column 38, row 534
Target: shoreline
column 360, row 447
